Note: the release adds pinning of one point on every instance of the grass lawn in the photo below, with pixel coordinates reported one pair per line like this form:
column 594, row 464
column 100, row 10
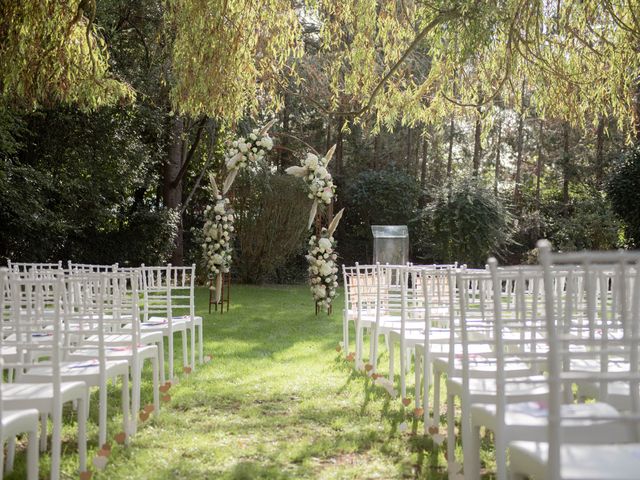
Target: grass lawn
column 276, row 401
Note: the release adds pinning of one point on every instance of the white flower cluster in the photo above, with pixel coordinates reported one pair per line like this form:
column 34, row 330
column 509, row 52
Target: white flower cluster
column 216, row 236
column 318, row 179
column 244, row 150
column 323, row 268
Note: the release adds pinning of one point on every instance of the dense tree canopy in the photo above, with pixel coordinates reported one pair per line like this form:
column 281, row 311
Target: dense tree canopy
column 529, row 101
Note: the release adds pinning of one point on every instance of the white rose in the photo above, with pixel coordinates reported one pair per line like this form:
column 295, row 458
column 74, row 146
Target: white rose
column 219, row 209
column 267, row 143
column 326, row 196
column 311, row 161
column 324, row 244
column 326, row 269
column 321, row 172
column 253, row 136
column 243, row 147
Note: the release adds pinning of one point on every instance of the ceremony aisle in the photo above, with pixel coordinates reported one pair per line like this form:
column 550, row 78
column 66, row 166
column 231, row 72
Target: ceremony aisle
column 275, row 401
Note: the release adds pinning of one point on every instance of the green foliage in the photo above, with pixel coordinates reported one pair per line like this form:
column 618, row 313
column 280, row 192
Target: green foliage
column 229, row 54
column 51, row 53
column 374, row 197
column 78, row 180
column 588, row 224
column 468, row 223
column 146, row 236
column 623, row 188
column 271, row 219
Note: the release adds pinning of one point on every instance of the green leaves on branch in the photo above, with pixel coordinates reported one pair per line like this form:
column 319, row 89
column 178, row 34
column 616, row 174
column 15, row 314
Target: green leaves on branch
column 50, row 53
column 228, row 55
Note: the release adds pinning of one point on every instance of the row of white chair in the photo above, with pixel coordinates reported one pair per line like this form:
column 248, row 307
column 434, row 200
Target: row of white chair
column 64, row 332
column 507, row 340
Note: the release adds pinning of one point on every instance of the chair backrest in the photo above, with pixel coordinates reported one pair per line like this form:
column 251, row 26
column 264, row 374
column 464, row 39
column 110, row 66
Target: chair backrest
column 33, row 325
column 74, row 268
column 33, row 266
column 156, row 292
column 595, row 317
column 182, row 288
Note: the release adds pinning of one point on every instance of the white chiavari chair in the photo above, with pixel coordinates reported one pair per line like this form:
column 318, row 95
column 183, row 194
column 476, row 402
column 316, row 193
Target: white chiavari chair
column 599, row 324
column 16, row 422
column 183, row 301
column 158, row 312
column 124, row 340
column 35, row 314
column 87, row 301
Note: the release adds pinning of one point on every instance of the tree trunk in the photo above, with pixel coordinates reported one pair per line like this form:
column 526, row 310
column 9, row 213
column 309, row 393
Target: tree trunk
column 338, row 152
column 450, row 155
column 283, row 157
column 423, row 164
column 423, row 172
column 539, row 166
column 566, row 167
column 600, row 152
column 636, row 110
column 496, row 179
column 520, row 146
column 408, row 161
column 477, row 146
column 172, row 191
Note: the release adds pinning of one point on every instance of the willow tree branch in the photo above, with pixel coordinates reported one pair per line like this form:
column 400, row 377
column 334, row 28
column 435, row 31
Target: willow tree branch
column 440, row 18
column 283, row 134
column 185, row 165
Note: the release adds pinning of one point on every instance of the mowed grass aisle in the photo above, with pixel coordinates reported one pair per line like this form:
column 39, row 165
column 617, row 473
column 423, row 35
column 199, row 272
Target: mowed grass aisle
column 275, row 402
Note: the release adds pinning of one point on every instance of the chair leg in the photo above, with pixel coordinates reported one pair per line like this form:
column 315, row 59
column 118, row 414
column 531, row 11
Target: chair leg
column 471, row 452
column 172, row 372
column 200, row 341
column 56, row 439
column 451, row 433
column 426, row 381
column 11, row 453
column 436, row 397
column 417, row 377
column 192, row 334
column 32, row 455
column 403, row 370
column 359, row 342
column 156, row 387
column 126, row 407
column 102, row 412
column 185, row 348
column 82, row 432
column 43, row 432
column 163, row 376
column 136, row 374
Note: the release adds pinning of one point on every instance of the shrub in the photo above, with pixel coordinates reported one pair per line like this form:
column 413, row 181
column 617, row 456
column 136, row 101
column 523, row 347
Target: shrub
column 383, row 197
column 146, row 236
column 271, row 219
column 623, row 189
column 467, row 223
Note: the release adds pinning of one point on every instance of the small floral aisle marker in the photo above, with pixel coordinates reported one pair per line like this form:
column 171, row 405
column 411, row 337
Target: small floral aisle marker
column 321, row 254
column 217, row 233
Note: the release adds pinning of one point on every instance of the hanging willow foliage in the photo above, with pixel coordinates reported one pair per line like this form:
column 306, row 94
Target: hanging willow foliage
column 419, row 62
column 228, row 54
column 51, row 53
